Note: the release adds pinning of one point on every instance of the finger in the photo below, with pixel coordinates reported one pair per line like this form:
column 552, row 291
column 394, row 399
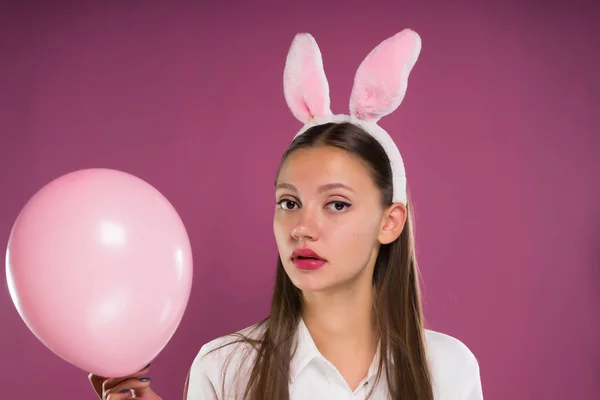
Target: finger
column 138, row 385
column 126, row 394
column 97, row 382
column 143, row 391
column 112, row 382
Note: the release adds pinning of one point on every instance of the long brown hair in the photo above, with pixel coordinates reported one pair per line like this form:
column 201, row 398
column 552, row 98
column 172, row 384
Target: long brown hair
column 398, row 311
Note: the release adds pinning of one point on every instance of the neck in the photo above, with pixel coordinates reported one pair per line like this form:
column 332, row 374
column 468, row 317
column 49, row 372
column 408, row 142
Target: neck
column 341, row 319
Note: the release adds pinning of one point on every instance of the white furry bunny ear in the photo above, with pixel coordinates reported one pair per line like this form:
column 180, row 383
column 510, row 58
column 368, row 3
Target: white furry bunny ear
column 381, row 79
column 305, row 85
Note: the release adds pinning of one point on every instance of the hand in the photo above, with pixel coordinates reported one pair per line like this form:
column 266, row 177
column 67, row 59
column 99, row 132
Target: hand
column 133, row 386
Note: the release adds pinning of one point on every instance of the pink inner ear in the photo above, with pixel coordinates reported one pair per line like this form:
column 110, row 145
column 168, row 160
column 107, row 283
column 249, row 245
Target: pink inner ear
column 381, row 79
column 304, row 83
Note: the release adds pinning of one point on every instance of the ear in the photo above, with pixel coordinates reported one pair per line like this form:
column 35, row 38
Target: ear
column 393, row 223
column 381, row 79
column 305, row 85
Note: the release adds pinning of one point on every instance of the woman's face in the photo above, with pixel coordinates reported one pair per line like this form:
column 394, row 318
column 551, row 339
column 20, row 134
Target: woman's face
column 327, row 204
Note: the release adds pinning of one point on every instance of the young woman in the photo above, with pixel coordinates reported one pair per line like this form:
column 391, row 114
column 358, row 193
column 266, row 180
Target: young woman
column 346, row 319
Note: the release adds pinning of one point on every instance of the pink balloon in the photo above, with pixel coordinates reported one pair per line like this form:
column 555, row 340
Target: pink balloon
column 99, row 267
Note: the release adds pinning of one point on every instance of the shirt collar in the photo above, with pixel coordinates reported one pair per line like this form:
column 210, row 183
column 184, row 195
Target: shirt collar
column 305, row 350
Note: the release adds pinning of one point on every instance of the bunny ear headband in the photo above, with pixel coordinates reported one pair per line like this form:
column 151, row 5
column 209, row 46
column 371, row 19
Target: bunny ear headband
column 379, row 88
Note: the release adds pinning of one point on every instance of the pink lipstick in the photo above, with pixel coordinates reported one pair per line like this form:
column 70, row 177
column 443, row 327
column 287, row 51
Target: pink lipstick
column 307, row 259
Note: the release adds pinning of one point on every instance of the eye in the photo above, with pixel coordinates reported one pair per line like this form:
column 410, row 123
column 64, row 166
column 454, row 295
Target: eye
column 287, row 204
column 338, row 206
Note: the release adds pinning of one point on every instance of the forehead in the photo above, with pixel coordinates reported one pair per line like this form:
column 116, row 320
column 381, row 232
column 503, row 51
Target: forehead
column 312, row 167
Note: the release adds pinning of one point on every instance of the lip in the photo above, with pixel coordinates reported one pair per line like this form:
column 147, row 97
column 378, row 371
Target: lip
column 307, row 259
column 306, row 253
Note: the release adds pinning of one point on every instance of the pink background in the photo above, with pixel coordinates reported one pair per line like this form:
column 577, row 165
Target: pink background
column 499, row 130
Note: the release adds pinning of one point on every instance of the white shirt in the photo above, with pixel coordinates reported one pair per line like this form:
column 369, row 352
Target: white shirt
column 454, row 371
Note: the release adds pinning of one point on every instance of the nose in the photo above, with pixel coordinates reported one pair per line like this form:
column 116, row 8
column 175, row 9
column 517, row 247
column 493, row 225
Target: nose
column 299, row 233
column 307, row 227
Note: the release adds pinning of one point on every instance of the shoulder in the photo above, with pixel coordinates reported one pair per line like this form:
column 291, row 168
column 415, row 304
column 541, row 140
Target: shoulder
column 454, row 367
column 448, row 351
column 224, row 362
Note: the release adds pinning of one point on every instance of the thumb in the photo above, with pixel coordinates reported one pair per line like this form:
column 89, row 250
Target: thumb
column 97, row 382
column 145, row 393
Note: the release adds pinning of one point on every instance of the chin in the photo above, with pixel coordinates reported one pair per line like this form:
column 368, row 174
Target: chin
column 311, row 287
column 309, row 281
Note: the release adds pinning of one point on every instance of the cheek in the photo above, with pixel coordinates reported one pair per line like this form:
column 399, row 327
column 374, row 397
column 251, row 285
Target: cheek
column 360, row 233
column 281, row 229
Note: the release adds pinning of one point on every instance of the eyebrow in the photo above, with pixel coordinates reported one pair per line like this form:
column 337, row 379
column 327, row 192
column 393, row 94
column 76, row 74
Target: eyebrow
column 321, row 189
